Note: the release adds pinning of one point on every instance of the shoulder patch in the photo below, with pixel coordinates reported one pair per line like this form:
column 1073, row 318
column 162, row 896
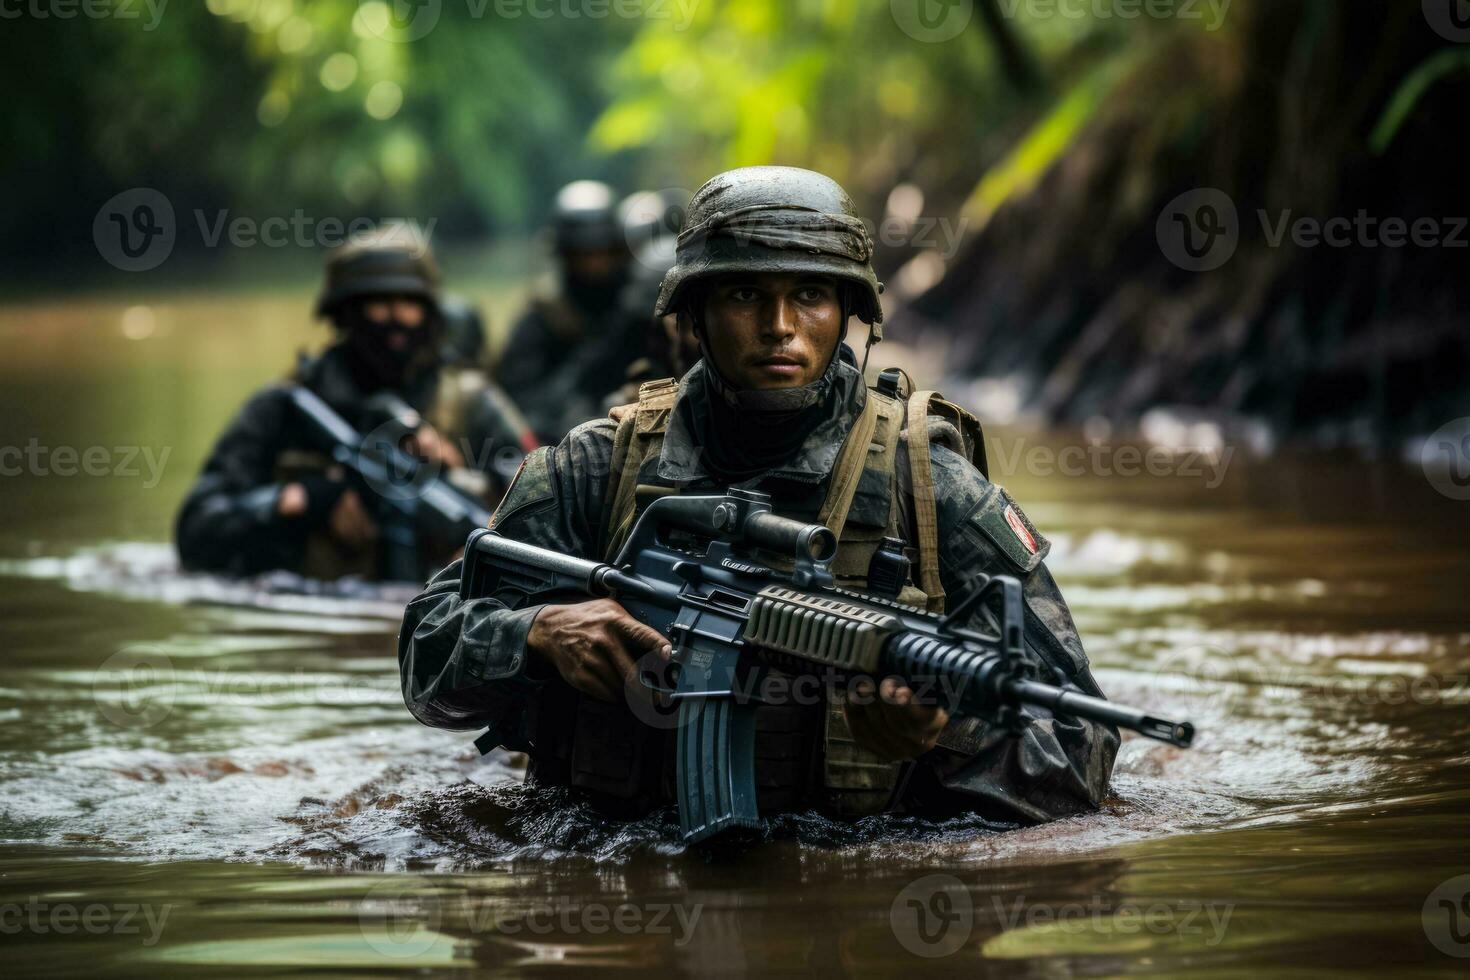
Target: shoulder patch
column 530, row 486
column 1007, row 527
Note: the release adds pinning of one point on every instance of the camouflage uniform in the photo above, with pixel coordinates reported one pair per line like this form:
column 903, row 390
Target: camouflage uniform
column 464, row 664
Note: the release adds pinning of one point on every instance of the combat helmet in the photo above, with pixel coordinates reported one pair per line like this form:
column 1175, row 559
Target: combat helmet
column 584, row 216
column 774, row 219
column 392, row 260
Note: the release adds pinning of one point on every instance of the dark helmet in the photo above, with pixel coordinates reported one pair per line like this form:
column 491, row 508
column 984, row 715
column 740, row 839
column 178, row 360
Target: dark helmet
column 774, row 219
column 392, row 260
column 585, row 217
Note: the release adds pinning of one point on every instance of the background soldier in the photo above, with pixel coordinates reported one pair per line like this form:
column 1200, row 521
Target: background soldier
column 772, row 262
column 269, row 498
column 568, row 350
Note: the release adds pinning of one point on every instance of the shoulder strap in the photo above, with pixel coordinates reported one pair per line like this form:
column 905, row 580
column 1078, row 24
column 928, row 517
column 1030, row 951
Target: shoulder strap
column 849, row 468
column 640, row 434
column 926, row 519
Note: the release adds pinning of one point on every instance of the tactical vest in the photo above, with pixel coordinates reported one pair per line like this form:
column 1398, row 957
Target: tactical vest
column 861, row 507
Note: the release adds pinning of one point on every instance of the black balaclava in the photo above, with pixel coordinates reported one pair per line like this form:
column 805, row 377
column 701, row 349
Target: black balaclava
column 752, row 431
column 594, row 295
column 375, row 363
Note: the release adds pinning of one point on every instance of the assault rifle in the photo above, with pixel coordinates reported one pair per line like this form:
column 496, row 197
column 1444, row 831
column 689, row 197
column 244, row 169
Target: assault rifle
column 692, row 570
column 412, row 502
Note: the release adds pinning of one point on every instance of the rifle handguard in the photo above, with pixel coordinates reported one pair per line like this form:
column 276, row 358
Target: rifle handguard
column 819, row 629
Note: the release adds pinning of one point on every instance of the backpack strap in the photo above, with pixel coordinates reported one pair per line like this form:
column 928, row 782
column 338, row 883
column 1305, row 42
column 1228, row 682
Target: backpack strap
column 640, row 435
column 930, row 415
column 926, row 519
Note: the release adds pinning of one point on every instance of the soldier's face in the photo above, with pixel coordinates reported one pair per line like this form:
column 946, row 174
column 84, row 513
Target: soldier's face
column 593, row 265
column 407, row 313
column 767, row 330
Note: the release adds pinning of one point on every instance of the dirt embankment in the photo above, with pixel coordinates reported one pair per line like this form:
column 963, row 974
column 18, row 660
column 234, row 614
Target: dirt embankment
column 1323, row 291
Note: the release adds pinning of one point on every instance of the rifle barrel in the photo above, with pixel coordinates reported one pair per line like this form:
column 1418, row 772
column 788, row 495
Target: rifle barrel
column 1180, row 733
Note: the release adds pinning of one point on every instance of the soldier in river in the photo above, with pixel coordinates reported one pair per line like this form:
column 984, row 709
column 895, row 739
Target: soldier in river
column 669, row 346
column 269, row 497
column 771, row 265
column 570, row 348
column 466, row 385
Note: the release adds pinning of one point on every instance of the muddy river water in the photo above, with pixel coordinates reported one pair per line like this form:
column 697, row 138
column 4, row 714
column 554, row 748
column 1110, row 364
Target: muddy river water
column 203, row 778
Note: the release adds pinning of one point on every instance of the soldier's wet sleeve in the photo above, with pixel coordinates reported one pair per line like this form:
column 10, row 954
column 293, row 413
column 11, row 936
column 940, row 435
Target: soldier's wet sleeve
column 228, row 521
column 1058, row 764
column 462, row 662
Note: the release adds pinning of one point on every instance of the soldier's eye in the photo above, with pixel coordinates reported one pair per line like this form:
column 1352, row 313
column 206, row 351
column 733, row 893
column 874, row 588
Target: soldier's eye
column 743, row 294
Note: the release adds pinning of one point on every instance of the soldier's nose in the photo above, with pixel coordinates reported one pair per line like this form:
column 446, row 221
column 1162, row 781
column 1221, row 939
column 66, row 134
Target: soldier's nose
column 781, row 320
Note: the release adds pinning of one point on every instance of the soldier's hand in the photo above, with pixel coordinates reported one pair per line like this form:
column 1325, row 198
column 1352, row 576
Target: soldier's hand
column 431, row 447
column 292, row 501
column 891, row 721
column 350, row 522
column 594, row 645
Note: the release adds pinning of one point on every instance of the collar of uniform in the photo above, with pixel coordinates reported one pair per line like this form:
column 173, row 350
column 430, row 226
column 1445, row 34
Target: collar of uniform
column 682, row 462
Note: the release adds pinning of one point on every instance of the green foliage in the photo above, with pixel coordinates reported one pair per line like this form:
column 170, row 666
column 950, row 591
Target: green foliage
column 333, row 107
